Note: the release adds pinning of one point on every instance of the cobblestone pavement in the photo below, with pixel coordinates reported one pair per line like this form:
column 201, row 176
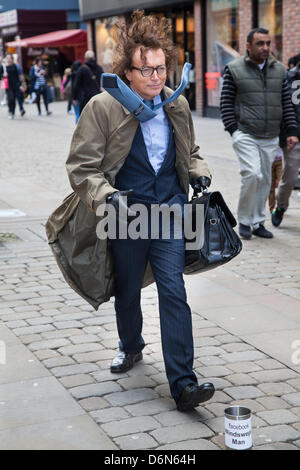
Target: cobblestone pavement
column 76, row 344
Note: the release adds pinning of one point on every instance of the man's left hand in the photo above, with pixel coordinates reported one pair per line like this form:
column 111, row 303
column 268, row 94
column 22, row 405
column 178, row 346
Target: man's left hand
column 200, row 183
column 291, row 142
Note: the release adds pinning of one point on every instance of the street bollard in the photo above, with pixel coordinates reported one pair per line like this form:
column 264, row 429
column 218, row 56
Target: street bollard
column 238, row 431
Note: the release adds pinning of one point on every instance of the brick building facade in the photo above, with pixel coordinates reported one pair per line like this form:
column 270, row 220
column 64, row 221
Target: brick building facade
column 291, row 28
column 208, row 33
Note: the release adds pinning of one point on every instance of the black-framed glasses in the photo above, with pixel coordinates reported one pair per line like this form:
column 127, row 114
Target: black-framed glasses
column 148, row 71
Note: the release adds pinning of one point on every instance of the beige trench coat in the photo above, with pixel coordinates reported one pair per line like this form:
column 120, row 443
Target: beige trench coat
column 99, row 147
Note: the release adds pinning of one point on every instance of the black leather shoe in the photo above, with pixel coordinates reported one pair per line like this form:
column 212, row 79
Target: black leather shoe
column 194, row 394
column 262, row 232
column 277, row 216
column 123, row 361
column 245, row 231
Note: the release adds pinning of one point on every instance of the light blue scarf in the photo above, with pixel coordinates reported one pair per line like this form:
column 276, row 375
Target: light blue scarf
column 122, row 93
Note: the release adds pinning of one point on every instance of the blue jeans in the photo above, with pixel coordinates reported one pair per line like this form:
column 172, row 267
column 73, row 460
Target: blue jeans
column 76, row 111
column 166, row 257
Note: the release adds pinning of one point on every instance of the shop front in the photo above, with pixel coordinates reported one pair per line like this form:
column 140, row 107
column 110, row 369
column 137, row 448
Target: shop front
column 221, row 47
column 25, row 23
column 268, row 14
column 103, row 21
column 208, row 33
column 58, row 49
column 222, row 43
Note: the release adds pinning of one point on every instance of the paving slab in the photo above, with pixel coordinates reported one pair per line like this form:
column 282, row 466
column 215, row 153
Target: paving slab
column 279, row 345
column 36, row 412
column 73, row 433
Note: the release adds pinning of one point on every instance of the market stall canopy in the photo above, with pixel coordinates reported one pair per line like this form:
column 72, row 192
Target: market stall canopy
column 69, row 37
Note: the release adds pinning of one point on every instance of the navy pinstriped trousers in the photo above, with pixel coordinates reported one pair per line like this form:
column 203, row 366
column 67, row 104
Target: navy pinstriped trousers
column 166, row 257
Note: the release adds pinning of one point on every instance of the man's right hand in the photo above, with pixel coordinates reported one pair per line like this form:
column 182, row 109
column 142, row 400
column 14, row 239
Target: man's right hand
column 119, row 203
column 291, row 142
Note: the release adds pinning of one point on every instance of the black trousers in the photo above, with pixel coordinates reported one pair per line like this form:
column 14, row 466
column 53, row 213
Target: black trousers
column 12, row 95
column 41, row 91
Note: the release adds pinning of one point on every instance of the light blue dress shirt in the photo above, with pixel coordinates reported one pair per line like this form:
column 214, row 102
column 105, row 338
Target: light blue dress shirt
column 156, row 136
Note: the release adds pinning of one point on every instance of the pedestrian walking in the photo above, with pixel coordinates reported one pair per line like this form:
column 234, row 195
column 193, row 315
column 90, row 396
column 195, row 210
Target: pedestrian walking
column 291, row 160
column 22, row 88
column 40, row 86
column 32, row 77
column 87, row 80
column 14, row 86
column 255, row 99
column 76, row 103
column 66, row 89
column 2, row 86
column 112, row 154
column 276, row 175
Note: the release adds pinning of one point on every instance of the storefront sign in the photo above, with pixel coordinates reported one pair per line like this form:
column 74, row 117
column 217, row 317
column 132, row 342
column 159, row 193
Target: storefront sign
column 34, row 52
column 9, row 31
column 93, row 8
column 8, row 18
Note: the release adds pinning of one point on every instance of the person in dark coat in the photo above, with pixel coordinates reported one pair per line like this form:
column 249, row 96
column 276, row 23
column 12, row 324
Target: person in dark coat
column 87, row 81
column 14, row 83
column 291, row 161
column 76, row 103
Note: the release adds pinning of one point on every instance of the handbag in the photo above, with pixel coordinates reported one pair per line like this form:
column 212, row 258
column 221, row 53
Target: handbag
column 67, row 92
column 221, row 243
column 23, row 87
column 4, row 83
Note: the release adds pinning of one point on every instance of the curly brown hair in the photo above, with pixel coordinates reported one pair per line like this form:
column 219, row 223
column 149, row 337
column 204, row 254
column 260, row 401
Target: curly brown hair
column 145, row 32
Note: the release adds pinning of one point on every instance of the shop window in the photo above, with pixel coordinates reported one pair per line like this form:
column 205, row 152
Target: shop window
column 73, row 25
column 185, row 42
column 270, row 17
column 222, row 44
column 106, row 40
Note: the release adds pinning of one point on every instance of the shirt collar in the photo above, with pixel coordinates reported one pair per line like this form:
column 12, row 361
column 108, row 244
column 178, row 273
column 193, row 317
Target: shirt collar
column 156, row 100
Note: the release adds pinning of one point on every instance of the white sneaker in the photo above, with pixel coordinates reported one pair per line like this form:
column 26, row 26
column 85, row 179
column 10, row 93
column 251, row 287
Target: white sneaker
column 32, row 98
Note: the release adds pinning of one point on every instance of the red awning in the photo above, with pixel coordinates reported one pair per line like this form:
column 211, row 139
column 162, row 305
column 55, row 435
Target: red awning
column 69, row 37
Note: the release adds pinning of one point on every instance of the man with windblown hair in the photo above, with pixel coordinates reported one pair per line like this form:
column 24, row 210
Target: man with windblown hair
column 114, row 155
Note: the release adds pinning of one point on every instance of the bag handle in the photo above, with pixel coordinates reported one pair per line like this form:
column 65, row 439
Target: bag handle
column 196, row 193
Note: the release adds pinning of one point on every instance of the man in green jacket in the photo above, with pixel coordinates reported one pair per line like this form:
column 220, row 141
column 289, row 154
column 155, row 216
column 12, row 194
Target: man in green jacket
column 255, row 101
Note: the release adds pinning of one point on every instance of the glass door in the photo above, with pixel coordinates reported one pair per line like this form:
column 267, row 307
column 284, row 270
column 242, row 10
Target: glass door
column 221, row 45
column 269, row 14
column 184, row 27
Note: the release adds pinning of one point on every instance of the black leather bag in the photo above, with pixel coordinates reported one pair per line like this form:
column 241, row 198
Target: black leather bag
column 221, row 243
